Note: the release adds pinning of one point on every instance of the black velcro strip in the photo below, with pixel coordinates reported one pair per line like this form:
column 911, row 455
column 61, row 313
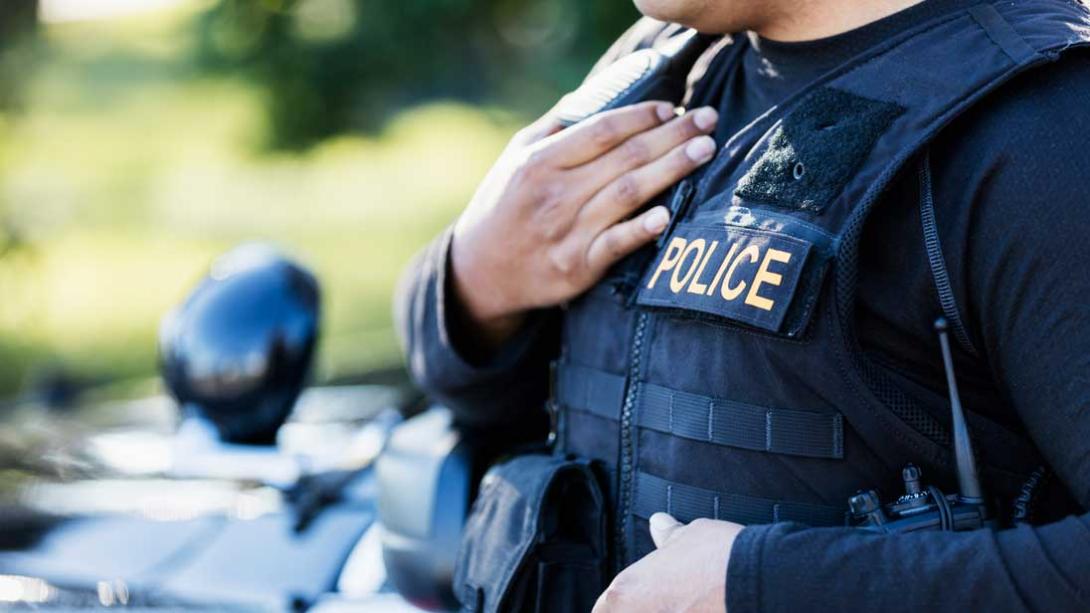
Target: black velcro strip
column 817, row 149
column 735, row 424
column 702, row 418
column 686, row 503
column 590, row 390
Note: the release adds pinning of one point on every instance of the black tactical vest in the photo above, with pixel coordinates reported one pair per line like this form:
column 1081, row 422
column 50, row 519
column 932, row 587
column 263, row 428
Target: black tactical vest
column 719, row 375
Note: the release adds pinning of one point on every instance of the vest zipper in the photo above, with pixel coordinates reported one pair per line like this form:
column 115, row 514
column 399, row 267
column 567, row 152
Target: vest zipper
column 679, row 208
column 627, row 443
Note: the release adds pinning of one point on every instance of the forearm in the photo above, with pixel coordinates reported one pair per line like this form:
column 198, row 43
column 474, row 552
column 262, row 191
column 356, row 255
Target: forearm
column 787, row 567
column 486, row 388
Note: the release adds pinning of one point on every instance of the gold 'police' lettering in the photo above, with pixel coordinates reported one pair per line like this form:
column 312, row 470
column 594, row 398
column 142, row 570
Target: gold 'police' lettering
column 695, row 247
column 722, row 269
column 686, row 261
column 696, row 287
column 751, row 253
column 673, row 254
column 763, row 276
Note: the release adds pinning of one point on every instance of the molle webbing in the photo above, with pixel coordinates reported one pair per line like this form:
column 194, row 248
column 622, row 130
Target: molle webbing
column 703, row 418
column 686, row 503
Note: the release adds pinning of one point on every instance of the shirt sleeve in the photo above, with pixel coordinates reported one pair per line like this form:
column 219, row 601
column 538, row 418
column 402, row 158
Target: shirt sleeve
column 507, row 389
column 1025, row 278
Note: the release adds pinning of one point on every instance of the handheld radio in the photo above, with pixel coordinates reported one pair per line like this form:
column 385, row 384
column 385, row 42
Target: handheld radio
column 926, row 507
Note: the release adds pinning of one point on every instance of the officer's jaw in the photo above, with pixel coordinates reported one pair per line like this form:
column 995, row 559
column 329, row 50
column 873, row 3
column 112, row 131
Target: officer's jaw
column 781, row 20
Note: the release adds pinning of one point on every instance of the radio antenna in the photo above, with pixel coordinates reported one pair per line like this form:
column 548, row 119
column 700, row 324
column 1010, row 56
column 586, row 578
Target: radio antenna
column 968, row 480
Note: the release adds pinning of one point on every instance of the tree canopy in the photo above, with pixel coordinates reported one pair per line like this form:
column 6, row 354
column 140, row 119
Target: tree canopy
column 328, row 66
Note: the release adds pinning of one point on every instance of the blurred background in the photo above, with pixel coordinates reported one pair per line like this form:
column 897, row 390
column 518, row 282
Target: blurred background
column 140, row 138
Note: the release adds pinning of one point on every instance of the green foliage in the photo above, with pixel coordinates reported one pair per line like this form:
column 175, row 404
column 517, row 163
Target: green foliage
column 329, row 66
column 18, row 25
column 132, row 163
column 130, row 170
column 18, row 35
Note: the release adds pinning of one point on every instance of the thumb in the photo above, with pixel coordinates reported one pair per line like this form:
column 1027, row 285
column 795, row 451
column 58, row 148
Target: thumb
column 663, row 526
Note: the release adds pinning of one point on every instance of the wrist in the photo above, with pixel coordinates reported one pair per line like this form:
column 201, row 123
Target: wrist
column 480, row 305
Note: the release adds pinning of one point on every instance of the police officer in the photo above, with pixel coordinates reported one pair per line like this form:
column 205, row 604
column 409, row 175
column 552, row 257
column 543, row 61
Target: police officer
column 737, row 301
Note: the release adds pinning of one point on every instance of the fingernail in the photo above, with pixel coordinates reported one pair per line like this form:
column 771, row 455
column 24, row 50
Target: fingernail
column 656, row 220
column 700, row 149
column 705, row 118
column 666, row 112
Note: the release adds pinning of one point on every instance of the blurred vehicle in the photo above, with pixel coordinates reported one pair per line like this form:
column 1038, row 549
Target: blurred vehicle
column 151, row 504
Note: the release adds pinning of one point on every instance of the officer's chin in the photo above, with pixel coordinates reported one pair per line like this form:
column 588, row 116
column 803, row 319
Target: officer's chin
column 673, row 11
column 708, row 16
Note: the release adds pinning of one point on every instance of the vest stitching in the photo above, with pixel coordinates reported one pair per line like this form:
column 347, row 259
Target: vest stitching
column 670, row 415
column 838, row 435
column 711, row 420
column 768, row 430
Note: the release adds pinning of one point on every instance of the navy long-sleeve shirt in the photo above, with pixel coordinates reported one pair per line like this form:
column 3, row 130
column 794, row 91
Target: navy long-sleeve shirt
column 1012, row 198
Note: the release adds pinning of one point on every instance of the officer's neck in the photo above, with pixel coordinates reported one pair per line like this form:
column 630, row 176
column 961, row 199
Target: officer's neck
column 801, row 20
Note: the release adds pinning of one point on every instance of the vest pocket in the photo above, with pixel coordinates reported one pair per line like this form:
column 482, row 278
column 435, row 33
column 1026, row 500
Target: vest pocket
column 535, row 539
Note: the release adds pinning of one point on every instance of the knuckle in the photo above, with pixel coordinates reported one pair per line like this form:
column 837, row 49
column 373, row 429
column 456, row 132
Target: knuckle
column 535, row 158
column 626, row 190
column 648, row 113
column 564, row 261
column 603, row 132
column 685, row 127
column 530, row 169
column 680, row 163
column 635, row 152
column 549, row 194
column 552, row 215
column 553, row 228
column 613, row 243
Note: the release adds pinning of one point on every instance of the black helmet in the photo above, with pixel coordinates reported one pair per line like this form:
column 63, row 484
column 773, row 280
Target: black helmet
column 237, row 351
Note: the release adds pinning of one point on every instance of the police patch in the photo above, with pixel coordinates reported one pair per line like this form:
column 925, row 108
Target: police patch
column 744, row 274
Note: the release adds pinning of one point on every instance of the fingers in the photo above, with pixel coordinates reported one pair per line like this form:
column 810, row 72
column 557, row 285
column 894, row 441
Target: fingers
column 663, row 527
column 622, row 239
column 633, row 189
column 589, row 139
column 646, row 147
column 543, row 127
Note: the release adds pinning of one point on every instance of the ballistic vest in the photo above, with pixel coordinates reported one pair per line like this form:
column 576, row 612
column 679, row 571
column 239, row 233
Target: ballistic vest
column 718, row 374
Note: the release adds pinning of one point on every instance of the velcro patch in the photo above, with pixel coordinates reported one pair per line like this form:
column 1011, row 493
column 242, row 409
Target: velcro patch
column 743, row 274
column 817, row 149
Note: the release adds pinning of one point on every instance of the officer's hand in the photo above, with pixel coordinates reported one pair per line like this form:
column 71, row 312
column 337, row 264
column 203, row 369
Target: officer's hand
column 688, row 571
column 555, row 211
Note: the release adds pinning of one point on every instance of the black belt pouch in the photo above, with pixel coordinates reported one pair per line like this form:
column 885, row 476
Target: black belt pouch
column 535, row 539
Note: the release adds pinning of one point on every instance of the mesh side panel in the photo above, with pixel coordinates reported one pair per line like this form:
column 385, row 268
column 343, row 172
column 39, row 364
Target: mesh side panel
column 847, row 276
column 903, row 406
